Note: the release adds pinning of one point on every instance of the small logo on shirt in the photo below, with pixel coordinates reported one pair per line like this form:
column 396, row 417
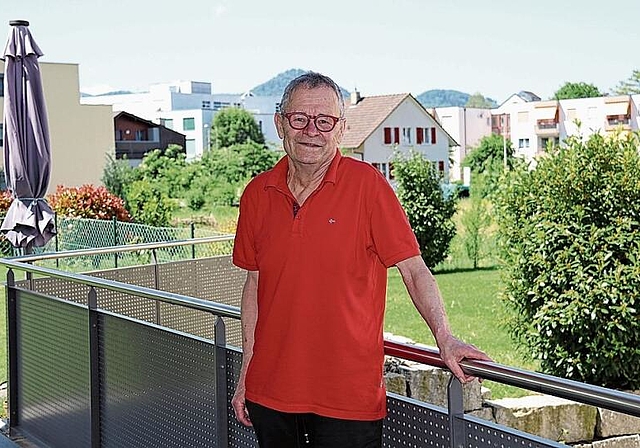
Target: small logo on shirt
column 332, row 221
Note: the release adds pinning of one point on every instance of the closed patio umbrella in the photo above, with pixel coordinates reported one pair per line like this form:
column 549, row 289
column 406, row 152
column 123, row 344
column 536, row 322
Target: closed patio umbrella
column 29, row 222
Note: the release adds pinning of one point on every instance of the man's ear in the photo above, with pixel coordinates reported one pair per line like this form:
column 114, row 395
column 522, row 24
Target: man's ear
column 277, row 120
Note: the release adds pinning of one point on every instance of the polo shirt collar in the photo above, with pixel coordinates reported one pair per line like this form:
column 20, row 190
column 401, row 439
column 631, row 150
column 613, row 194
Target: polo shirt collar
column 277, row 177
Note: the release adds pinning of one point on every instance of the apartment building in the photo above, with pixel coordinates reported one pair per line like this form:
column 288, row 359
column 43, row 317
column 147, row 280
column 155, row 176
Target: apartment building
column 530, row 124
column 81, row 135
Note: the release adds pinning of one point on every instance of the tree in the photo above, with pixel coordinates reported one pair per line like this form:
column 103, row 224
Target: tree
column 490, row 149
column 630, row 86
column 117, row 176
column 570, row 239
column 234, row 126
column 429, row 210
column 576, row 90
column 479, row 101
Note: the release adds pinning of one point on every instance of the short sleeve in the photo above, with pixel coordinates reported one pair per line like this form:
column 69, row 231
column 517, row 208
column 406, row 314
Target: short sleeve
column 244, row 252
column 392, row 236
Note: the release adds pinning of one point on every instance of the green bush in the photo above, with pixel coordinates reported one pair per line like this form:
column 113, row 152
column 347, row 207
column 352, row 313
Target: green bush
column 570, row 235
column 429, row 210
column 149, row 203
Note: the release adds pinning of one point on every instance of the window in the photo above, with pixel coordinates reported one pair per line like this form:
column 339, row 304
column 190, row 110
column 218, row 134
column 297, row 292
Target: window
column 1, row 135
column 141, row 135
column 1, row 85
column 545, row 141
column 441, row 166
column 406, row 136
column 167, row 122
column 188, row 124
column 425, row 136
column 523, row 117
column 382, row 167
column 389, row 138
column 523, row 143
column 118, row 134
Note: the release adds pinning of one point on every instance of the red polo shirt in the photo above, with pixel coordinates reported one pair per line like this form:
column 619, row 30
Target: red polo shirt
column 322, row 288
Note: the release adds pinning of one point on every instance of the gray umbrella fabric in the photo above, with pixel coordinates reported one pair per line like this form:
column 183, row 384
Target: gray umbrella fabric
column 29, row 222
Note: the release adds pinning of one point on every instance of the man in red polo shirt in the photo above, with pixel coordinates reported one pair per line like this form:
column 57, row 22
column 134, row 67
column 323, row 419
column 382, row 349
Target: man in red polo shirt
column 316, row 235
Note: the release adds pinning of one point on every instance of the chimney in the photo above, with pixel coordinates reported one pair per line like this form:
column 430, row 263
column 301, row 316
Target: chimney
column 355, row 97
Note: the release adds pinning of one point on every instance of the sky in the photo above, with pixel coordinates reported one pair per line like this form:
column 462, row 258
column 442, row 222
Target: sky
column 496, row 48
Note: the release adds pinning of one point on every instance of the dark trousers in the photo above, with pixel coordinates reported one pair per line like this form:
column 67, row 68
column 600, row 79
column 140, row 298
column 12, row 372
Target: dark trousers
column 277, row 429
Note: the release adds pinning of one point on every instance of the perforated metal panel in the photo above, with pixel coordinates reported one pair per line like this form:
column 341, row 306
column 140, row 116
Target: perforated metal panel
column 196, row 322
column 414, row 424
column 239, row 435
column 158, row 387
column 55, row 287
column 53, row 371
column 219, row 280
column 484, row 434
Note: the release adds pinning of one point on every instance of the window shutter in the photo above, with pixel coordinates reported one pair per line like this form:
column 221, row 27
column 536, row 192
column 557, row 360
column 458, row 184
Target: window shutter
column 396, row 135
column 433, row 136
column 419, row 135
column 387, row 136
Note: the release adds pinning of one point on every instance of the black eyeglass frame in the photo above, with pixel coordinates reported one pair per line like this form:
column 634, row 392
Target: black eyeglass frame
column 335, row 120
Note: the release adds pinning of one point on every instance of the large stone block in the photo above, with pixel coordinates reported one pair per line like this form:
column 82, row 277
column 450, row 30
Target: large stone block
column 618, row 442
column 610, row 423
column 547, row 416
column 429, row 384
column 396, row 383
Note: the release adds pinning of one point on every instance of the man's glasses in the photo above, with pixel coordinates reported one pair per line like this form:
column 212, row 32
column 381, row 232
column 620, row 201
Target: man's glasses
column 300, row 120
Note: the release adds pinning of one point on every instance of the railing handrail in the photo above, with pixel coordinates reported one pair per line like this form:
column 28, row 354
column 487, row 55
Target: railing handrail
column 123, row 248
column 141, row 291
column 538, row 382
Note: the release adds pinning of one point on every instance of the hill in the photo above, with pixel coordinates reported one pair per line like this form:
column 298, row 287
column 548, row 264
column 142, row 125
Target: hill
column 275, row 86
column 446, row 98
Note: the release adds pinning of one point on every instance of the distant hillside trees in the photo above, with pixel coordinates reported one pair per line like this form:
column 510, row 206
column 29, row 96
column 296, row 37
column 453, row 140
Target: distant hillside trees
column 478, row 100
column 449, row 98
column 570, row 90
column 276, row 85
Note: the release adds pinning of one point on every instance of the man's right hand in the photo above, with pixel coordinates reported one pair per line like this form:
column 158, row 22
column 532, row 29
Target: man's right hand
column 240, row 407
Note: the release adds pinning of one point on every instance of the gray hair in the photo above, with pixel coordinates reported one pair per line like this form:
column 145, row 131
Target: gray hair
column 310, row 80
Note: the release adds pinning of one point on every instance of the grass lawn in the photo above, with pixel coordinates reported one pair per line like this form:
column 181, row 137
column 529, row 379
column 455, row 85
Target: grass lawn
column 475, row 314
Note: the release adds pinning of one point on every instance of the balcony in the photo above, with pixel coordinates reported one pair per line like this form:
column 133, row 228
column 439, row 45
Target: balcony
column 128, row 356
column 614, row 122
column 547, row 128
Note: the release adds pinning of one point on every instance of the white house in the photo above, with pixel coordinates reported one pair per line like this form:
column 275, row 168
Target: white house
column 378, row 126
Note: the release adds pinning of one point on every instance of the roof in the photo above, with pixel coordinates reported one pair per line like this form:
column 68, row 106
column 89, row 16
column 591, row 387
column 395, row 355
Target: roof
column 369, row 113
column 366, row 116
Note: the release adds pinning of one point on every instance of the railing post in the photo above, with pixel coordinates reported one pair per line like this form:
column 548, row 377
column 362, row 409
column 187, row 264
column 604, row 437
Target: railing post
column 156, row 282
column 94, row 367
column 57, row 244
column 193, row 235
column 115, row 241
column 12, row 336
column 456, row 413
column 220, row 357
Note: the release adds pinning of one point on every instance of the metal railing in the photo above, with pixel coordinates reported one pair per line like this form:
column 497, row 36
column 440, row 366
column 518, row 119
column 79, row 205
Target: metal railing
column 104, row 422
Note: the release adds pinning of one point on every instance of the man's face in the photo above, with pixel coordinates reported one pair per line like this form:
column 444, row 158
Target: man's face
column 309, row 146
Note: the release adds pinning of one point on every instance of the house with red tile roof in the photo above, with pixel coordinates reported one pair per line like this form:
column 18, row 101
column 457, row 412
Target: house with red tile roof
column 378, row 126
